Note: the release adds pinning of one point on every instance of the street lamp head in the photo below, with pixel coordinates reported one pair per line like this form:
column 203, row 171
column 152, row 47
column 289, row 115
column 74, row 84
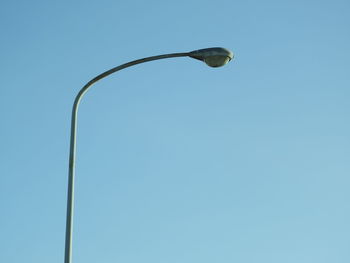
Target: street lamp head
column 213, row 57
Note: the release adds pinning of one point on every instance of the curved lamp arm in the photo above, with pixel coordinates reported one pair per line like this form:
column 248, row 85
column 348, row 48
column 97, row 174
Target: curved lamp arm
column 214, row 57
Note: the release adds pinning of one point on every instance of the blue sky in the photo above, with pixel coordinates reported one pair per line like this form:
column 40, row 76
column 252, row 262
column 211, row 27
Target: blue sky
column 176, row 161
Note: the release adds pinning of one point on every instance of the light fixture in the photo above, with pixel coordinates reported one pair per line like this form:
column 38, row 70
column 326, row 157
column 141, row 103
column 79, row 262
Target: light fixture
column 213, row 57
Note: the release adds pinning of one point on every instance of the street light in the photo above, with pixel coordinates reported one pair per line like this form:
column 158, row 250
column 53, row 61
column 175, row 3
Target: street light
column 213, row 57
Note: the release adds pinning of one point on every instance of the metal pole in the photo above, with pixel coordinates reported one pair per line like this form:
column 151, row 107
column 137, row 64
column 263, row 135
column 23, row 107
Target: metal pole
column 71, row 173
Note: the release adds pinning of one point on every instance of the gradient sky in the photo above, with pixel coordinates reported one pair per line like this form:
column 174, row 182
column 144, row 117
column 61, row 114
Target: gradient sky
column 177, row 162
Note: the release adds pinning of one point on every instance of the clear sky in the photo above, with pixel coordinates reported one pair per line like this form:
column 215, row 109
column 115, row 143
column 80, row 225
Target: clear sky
column 177, row 162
